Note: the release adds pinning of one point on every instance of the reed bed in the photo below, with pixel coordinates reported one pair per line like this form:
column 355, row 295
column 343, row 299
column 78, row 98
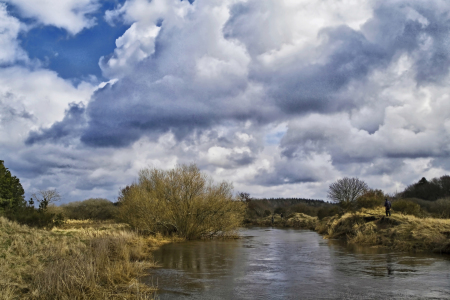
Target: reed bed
column 81, row 260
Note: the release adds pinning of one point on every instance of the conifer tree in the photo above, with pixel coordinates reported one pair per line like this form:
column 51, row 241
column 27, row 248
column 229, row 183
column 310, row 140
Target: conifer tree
column 11, row 191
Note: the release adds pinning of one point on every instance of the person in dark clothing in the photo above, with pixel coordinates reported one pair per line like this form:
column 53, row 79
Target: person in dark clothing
column 387, row 205
column 272, row 219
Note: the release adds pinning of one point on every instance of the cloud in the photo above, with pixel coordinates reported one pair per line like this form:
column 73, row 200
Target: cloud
column 9, row 31
column 281, row 97
column 215, row 62
column 72, row 15
column 73, row 120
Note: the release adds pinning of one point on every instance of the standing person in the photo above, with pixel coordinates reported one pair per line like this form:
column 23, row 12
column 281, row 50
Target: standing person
column 272, row 220
column 387, row 205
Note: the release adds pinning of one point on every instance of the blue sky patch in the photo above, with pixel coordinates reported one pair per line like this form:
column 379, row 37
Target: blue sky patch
column 72, row 56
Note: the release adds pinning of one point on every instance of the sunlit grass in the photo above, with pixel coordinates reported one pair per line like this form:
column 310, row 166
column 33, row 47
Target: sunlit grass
column 401, row 232
column 80, row 260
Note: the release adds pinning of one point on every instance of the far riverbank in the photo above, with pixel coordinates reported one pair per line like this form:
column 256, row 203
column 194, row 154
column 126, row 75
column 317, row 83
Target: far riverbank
column 370, row 227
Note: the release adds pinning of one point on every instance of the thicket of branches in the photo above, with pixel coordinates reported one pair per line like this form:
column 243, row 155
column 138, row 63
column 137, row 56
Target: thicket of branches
column 345, row 191
column 92, row 208
column 182, row 201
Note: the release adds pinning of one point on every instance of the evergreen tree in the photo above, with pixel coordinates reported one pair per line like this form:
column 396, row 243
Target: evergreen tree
column 11, row 191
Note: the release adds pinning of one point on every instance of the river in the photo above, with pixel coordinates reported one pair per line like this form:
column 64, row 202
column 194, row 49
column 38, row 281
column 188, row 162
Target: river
column 271, row 263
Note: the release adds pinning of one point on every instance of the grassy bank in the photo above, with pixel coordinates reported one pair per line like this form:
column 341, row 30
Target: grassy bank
column 296, row 220
column 81, row 260
column 400, row 232
column 370, row 227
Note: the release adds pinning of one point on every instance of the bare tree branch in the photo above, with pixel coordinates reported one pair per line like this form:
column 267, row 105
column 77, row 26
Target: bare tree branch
column 347, row 190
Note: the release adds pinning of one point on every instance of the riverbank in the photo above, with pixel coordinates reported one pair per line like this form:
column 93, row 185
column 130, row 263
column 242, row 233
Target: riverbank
column 80, row 260
column 370, row 227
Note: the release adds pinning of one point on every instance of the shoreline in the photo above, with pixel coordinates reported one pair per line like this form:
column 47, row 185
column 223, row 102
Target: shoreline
column 370, row 227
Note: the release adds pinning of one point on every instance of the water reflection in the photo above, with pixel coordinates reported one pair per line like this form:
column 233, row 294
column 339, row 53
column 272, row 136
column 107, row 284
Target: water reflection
column 295, row 264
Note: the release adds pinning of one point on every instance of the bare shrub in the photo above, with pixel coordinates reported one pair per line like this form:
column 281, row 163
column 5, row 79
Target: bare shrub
column 182, row 201
column 93, row 209
column 346, row 190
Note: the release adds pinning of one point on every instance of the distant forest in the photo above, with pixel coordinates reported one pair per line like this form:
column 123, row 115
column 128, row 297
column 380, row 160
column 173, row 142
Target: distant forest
column 284, row 202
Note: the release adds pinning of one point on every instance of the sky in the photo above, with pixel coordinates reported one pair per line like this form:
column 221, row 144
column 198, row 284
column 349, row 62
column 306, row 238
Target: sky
column 280, row 97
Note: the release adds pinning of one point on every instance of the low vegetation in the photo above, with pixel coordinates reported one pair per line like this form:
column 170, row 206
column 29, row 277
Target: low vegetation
column 181, row 201
column 79, row 260
column 96, row 249
column 415, row 224
column 258, row 209
column 400, row 231
column 89, row 209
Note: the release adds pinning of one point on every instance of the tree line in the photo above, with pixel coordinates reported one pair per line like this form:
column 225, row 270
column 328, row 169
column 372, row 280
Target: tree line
column 186, row 202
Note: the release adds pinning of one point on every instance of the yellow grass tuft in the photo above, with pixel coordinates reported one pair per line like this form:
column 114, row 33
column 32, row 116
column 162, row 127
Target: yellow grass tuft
column 401, row 232
column 81, row 260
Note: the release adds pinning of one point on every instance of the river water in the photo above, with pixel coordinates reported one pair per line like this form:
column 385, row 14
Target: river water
column 270, row 263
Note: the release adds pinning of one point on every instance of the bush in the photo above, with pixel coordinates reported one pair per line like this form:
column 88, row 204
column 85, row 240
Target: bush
column 93, row 208
column 407, row 207
column 305, row 209
column 440, row 208
column 370, row 199
column 345, row 191
column 35, row 217
column 279, row 211
column 182, row 201
column 329, row 211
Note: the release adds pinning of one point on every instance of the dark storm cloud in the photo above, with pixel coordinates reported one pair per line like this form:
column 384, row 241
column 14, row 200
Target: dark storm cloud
column 48, row 161
column 241, row 159
column 420, row 27
column 87, row 184
column 73, row 120
column 140, row 109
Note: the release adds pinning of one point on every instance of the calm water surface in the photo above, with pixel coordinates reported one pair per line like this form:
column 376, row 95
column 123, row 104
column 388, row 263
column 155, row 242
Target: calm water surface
column 295, row 264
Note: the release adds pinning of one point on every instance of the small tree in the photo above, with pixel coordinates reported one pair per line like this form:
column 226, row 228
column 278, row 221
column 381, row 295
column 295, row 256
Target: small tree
column 11, row 191
column 346, row 190
column 181, row 200
column 45, row 197
column 245, row 197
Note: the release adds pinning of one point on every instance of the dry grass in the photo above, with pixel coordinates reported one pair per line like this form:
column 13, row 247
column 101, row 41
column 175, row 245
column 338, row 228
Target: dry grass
column 82, row 260
column 401, row 232
column 300, row 220
column 296, row 220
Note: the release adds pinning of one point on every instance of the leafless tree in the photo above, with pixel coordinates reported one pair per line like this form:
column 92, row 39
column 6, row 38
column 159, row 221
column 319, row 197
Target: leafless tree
column 245, row 197
column 182, row 200
column 45, row 197
column 346, row 190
